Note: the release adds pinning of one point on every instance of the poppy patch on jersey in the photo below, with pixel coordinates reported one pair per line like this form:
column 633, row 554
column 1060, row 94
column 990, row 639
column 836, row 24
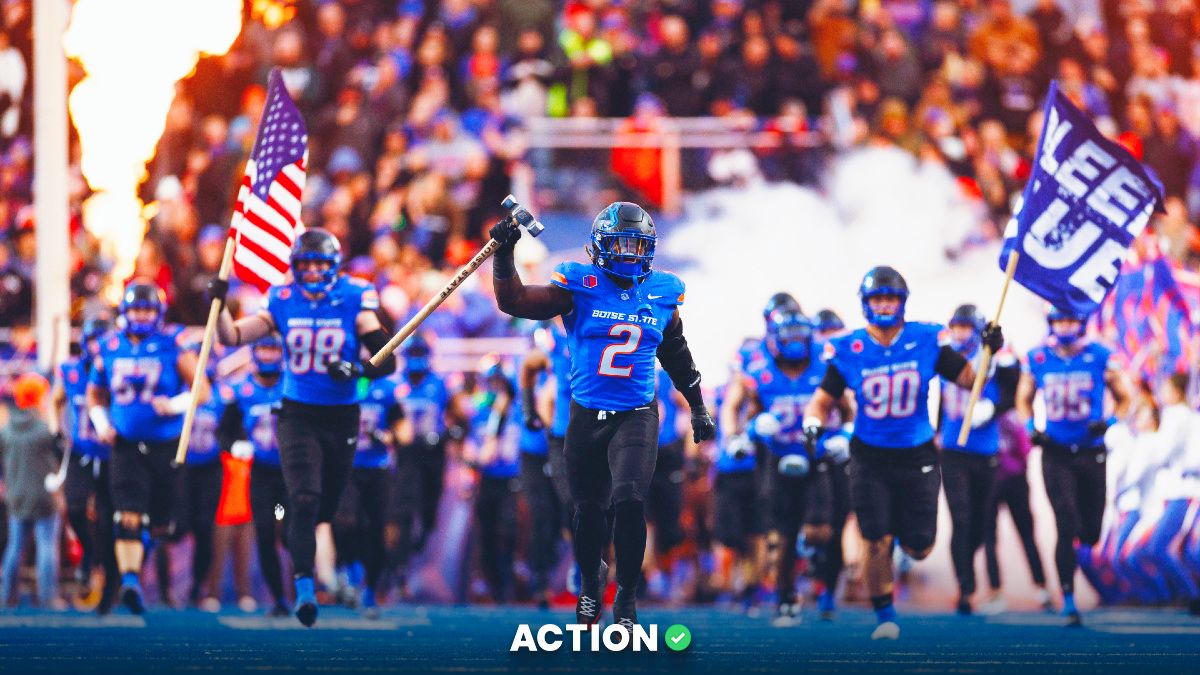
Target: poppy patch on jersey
column 830, row 350
column 247, row 389
column 856, row 346
column 285, row 293
column 1040, row 357
column 589, row 281
column 559, row 277
column 73, row 377
column 114, row 343
column 766, row 377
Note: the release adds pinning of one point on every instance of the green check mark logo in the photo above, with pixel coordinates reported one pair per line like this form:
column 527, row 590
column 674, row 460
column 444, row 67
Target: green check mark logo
column 678, row 637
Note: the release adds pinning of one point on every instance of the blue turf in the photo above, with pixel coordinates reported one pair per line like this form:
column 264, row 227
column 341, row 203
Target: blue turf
column 465, row 639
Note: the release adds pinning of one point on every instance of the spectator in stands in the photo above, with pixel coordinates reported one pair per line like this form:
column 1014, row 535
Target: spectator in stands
column 16, row 290
column 31, row 452
column 13, row 74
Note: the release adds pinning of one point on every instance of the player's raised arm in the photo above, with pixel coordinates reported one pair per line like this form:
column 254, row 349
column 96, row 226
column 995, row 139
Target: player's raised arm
column 513, row 297
column 676, row 359
column 243, row 331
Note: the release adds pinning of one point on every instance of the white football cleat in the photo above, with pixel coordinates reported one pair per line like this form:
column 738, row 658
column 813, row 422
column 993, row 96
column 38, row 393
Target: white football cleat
column 888, row 630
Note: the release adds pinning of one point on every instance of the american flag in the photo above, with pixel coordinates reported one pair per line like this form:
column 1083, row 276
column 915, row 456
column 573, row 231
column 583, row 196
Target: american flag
column 266, row 218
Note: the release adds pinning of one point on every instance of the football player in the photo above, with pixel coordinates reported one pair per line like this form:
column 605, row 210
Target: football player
column 619, row 314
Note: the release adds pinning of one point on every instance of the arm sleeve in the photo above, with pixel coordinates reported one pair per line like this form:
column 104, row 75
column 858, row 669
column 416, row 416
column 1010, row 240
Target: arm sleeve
column 395, row 413
column 834, row 383
column 526, row 302
column 374, row 341
column 676, row 359
column 1007, row 378
column 950, row 363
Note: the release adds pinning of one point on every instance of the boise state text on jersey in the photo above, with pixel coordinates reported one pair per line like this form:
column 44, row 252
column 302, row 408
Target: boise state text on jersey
column 258, row 405
column 84, row 440
column 135, row 373
column 1073, row 390
column 377, row 412
column 614, row 334
column 984, row 440
column 316, row 332
column 785, row 398
column 891, row 384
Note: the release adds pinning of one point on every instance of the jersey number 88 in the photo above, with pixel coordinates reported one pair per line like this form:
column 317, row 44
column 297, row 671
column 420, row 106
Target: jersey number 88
column 310, row 350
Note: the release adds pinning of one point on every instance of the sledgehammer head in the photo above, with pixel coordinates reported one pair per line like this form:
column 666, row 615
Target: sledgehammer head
column 522, row 215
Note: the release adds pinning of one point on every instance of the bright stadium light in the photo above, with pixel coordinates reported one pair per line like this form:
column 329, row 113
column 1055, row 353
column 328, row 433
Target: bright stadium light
column 134, row 52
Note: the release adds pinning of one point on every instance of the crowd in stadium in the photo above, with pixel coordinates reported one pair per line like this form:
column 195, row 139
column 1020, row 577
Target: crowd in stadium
column 416, row 114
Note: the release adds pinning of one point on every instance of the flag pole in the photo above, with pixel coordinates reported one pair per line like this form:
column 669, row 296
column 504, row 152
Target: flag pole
column 198, row 378
column 986, row 361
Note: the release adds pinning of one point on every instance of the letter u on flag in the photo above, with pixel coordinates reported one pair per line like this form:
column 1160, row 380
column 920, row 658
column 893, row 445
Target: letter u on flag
column 266, row 217
column 1086, row 201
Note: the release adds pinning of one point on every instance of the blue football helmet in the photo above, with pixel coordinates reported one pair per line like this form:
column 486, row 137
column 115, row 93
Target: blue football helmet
column 1066, row 339
column 967, row 315
column 828, row 321
column 92, row 330
column 622, row 241
column 418, row 359
column 883, row 280
column 320, row 245
column 267, row 367
column 789, row 336
column 142, row 295
column 780, row 301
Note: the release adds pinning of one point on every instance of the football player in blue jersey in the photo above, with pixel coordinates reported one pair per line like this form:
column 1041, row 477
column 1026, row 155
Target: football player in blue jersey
column 250, row 405
column 494, row 453
column 969, row 470
column 430, row 423
column 87, row 469
column 1072, row 372
column 894, row 477
column 197, row 496
column 537, row 483
column 739, row 522
column 551, row 354
column 619, row 314
column 326, row 319
column 137, row 394
column 358, row 526
column 664, row 504
column 773, row 395
column 827, row 324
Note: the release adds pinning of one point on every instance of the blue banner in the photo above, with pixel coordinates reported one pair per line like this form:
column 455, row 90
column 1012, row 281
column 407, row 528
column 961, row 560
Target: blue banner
column 1087, row 199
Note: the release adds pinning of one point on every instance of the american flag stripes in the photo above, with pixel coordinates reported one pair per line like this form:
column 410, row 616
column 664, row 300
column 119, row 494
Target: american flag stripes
column 266, row 218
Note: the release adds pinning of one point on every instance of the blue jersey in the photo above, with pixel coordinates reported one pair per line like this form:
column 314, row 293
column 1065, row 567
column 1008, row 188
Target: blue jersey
column 984, row 440
column 375, row 409
column 668, row 411
column 204, row 447
column 890, row 384
column 84, row 440
column 726, row 462
column 134, row 373
column 1072, row 388
column 614, row 334
column 316, row 332
column 504, row 464
column 257, row 404
column 785, row 398
column 528, row 441
column 560, row 365
column 425, row 404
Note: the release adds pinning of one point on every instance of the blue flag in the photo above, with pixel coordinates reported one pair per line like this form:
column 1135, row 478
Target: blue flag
column 1087, row 199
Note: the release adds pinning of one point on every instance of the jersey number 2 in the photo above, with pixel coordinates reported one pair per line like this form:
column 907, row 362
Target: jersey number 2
column 633, row 335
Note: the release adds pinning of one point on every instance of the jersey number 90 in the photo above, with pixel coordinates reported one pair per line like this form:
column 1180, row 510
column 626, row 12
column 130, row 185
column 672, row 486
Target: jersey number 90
column 891, row 395
column 310, row 350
